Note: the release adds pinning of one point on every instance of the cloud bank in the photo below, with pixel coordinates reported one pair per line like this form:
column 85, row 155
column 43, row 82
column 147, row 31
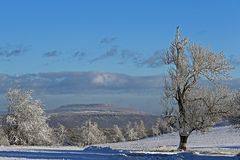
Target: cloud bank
column 80, row 82
column 85, row 82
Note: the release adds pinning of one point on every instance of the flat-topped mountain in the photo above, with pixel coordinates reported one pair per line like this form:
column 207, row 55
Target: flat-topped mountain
column 106, row 115
column 101, row 108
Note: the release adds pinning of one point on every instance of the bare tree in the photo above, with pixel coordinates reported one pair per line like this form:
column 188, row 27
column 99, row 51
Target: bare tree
column 25, row 123
column 189, row 64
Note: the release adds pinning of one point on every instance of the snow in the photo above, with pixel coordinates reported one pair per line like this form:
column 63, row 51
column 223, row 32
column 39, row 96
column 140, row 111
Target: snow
column 222, row 139
column 106, row 153
column 221, row 143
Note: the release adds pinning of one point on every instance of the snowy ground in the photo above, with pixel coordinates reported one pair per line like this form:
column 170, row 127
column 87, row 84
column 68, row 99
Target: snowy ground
column 222, row 140
column 221, row 143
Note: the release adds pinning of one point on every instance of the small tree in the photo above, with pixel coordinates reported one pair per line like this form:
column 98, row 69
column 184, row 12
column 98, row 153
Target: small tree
column 189, row 64
column 234, row 119
column 167, row 122
column 91, row 134
column 60, row 134
column 25, row 123
column 73, row 137
column 156, row 127
column 130, row 132
column 118, row 136
column 3, row 138
column 140, row 129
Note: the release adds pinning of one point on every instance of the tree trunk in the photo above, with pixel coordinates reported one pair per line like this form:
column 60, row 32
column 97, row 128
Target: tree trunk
column 183, row 143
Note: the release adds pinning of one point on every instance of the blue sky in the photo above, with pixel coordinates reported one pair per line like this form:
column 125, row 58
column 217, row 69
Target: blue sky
column 110, row 35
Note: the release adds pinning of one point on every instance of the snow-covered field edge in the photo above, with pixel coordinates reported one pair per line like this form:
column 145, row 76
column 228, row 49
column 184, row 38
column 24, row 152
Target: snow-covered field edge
column 218, row 143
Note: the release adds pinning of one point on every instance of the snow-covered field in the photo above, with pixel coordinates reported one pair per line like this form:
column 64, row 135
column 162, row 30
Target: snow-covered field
column 219, row 143
column 225, row 139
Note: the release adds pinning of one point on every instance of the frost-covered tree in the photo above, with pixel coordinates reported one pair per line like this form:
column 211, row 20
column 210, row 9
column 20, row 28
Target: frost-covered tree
column 156, row 127
column 60, row 135
column 165, row 124
column 130, row 133
column 3, row 138
column 235, row 117
column 72, row 137
column 117, row 134
column 25, row 122
column 189, row 64
column 162, row 125
column 91, row 134
column 140, row 129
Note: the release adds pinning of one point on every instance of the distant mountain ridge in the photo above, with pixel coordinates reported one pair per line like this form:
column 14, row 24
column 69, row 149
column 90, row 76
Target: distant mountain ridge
column 93, row 107
column 106, row 115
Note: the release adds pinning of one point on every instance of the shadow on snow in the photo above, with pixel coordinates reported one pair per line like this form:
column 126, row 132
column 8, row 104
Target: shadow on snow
column 93, row 153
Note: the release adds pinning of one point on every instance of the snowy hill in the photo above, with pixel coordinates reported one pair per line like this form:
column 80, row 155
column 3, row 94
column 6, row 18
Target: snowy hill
column 221, row 143
column 222, row 140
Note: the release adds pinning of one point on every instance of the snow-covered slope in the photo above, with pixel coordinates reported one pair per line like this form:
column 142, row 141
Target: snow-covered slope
column 219, row 139
column 221, row 143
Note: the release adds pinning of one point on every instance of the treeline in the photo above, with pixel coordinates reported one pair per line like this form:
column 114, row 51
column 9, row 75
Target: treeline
column 89, row 133
column 26, row 124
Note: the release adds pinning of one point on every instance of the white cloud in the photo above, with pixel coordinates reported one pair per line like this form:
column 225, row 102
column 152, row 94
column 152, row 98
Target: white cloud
column 104, row 79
